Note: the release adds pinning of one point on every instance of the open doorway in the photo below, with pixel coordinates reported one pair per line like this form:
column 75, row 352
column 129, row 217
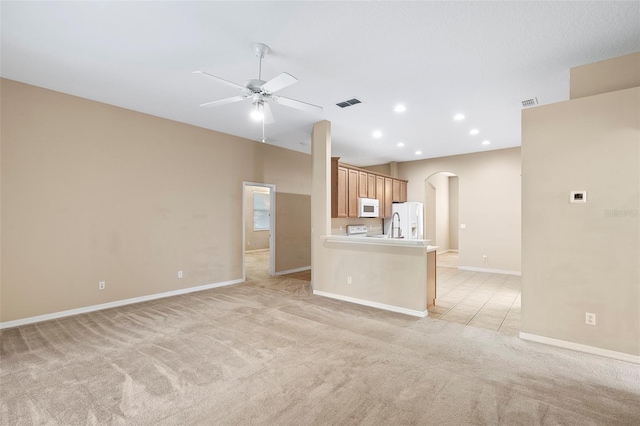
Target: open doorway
column 258, row 234
column 441, row 216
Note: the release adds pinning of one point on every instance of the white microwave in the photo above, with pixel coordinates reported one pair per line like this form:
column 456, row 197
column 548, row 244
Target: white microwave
column 368, row 207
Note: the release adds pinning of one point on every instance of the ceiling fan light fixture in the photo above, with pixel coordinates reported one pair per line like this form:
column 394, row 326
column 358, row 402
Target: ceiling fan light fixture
column 257, row 113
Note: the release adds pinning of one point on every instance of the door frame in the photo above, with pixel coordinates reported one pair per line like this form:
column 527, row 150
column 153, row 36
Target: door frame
column 272, row 226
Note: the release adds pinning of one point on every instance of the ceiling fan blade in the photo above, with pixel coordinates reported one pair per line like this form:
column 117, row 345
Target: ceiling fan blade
column 296, row 104
column 224, row 101
column 222, row 80
column 268, row 115
column 279, row 82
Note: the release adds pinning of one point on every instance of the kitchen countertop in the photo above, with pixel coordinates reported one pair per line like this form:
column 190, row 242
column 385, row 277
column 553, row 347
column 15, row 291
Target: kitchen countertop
column 380, row 241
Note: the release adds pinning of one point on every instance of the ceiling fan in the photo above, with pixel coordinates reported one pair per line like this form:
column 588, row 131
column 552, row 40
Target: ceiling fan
column 260, row 91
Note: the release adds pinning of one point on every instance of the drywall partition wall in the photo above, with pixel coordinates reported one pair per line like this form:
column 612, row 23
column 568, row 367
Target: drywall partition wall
column 453, row 213
column 254, row 239
column 582, row 257
column 489, row 204
column 610, row 75
column 293, row 231
column 92, row 192
column 291, row 172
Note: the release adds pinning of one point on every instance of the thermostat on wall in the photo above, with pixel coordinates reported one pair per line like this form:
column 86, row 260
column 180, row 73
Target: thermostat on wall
column 578, row 197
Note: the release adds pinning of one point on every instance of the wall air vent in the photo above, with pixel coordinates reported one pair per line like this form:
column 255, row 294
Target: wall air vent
column 348, row 103
column 528, row 103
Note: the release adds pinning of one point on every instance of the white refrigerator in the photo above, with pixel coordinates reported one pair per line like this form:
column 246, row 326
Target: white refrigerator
column 411, row 220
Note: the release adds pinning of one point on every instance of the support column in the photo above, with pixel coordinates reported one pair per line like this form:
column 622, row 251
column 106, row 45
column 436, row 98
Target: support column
column 320, row 196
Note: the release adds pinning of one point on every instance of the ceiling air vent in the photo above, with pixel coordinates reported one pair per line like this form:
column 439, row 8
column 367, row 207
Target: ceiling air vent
column 348, row 103
column 527, row 103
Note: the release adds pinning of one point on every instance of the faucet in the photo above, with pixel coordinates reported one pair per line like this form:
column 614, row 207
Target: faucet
column 393, row 219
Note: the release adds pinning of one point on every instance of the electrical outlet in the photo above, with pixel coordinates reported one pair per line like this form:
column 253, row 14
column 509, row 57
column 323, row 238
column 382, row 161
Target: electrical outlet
column 179, row 274
column 102, row 285
column 589, row 318
column 484, row 257
column 348, row 280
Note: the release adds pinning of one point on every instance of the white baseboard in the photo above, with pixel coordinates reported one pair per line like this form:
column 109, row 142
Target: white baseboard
column 491, row 271
column 384, row 306
column 581, row 348
column 293, row 271
column 70, row 312
column 448, row 251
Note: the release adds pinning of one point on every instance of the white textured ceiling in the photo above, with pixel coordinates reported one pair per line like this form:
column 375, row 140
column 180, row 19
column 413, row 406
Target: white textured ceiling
column 438, row 58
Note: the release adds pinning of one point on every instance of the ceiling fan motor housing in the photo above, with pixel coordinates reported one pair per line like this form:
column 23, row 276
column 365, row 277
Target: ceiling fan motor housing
column 254, row 85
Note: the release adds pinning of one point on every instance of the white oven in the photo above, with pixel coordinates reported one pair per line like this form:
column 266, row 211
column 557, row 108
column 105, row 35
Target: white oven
column 368, row 207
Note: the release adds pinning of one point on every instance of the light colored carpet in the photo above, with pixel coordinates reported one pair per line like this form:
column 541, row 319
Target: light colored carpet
column 268, row 352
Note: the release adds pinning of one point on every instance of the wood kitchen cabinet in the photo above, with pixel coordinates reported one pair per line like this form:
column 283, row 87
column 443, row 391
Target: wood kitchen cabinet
column 371, row 186
column 341, row 191
column 363, row 180
column 380, row 194
column 388, row 197
column 396, row 190
column 348, row 183
column 352, row 192
column 399, row 191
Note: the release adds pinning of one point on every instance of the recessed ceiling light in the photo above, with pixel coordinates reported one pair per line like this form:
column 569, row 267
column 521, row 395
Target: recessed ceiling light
column 377, row 134
column 486, row 142
column 418, row 152
column 458, row 117
column 400, row 108
column 474, row 132
column 400, row 144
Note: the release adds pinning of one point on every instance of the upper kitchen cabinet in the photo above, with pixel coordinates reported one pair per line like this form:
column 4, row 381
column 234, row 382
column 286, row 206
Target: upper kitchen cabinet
column 339, row 191
column 352, row 194
column 348, row 183
column 363, row 183
column 388, row 196
column 371, row 186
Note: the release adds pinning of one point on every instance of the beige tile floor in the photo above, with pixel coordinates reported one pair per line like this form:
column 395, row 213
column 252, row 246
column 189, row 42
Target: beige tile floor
column 479, row 299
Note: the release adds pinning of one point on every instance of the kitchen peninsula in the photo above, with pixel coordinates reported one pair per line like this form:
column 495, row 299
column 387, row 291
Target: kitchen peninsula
column 394, row 274
column 389, row 273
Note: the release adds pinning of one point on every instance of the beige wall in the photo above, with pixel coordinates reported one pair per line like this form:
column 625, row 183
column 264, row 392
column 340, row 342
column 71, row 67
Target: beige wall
column 253, row 240
column 489, row 204
column 293, row 231
column 610, row 75
column 92, row 192
column 453, row 212
column 580, row 258
column 384, row 169
column 440, row 182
